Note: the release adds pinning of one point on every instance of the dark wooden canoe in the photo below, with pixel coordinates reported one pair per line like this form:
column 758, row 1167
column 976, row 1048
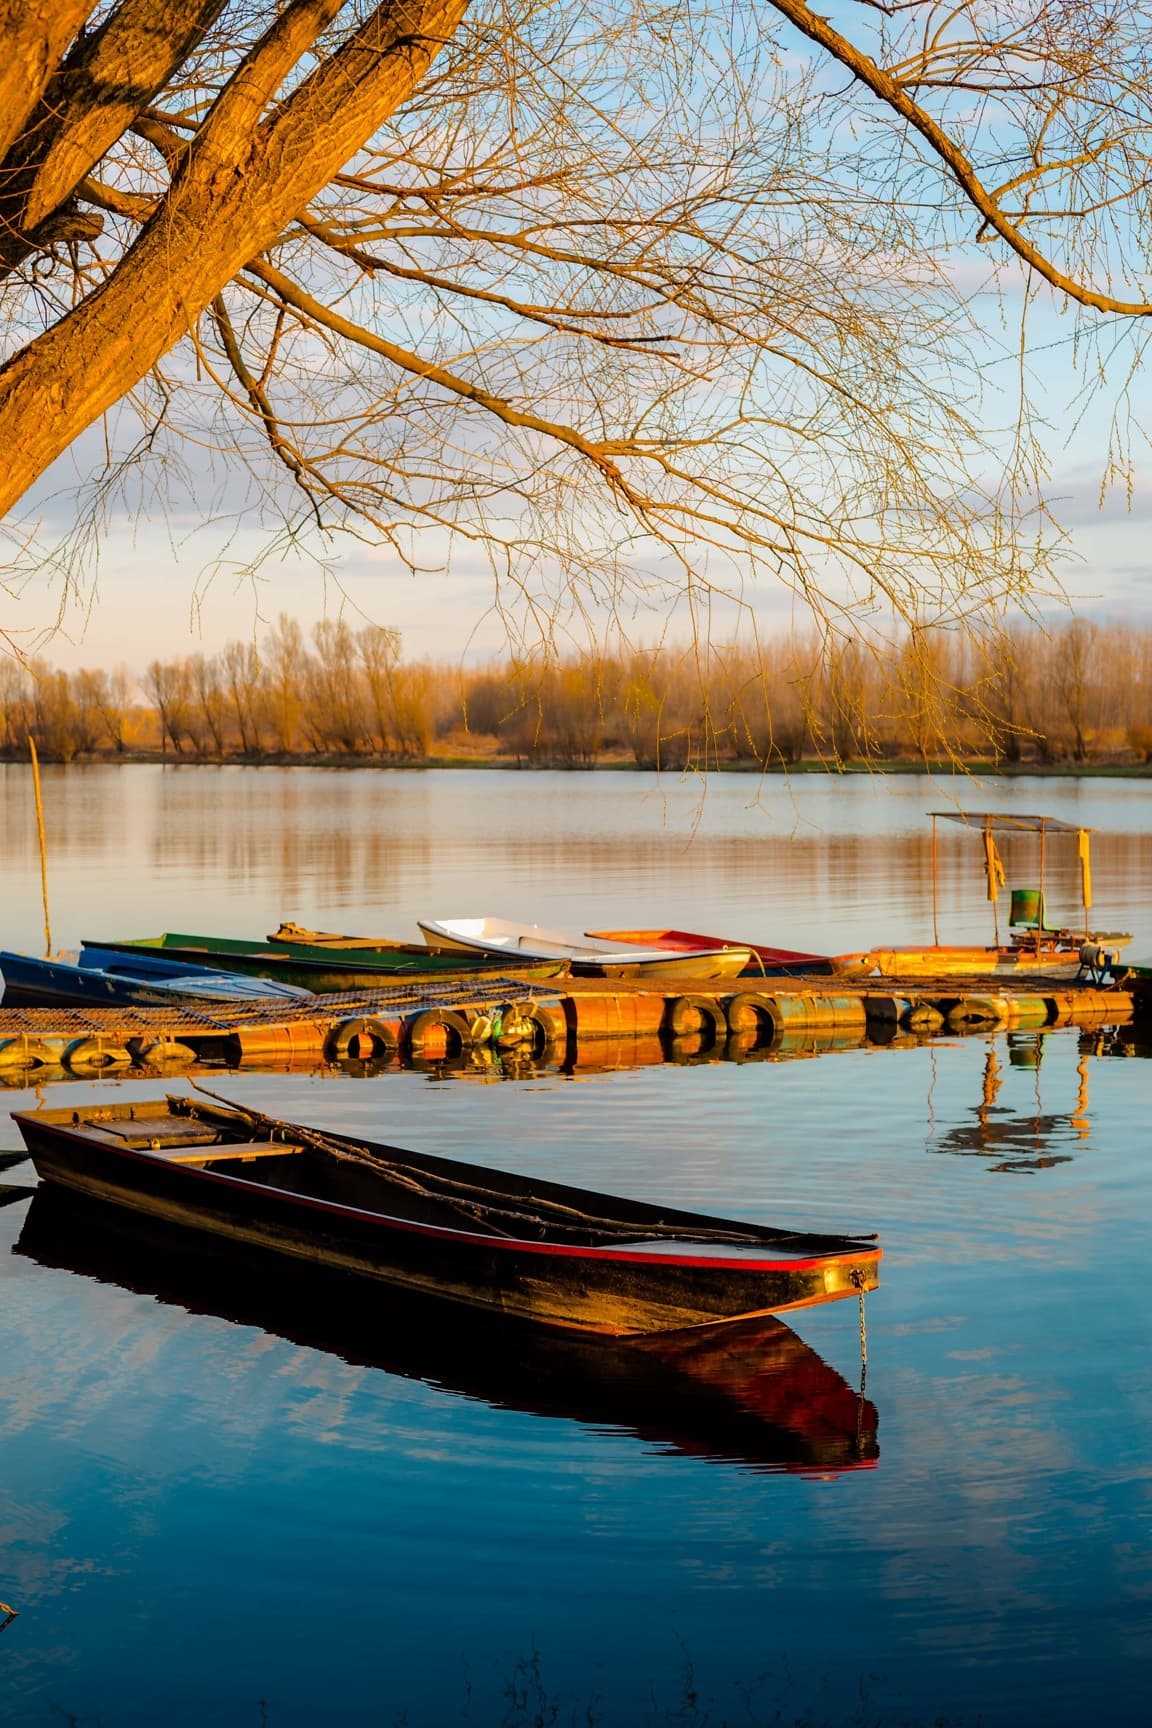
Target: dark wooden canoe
column 751, row 1394
column 562, row 1256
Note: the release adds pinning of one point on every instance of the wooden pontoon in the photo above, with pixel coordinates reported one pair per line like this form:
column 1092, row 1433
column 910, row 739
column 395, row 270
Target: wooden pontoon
column 563, row 1256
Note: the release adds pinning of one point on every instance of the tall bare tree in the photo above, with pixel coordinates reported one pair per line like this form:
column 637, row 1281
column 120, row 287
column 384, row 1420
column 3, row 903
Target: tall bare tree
column 630, row 290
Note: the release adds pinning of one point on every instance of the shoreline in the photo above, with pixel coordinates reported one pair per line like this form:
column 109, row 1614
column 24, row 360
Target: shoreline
column 945, row 767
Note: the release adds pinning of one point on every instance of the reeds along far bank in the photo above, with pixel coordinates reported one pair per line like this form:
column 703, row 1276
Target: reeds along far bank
column 1072, row 693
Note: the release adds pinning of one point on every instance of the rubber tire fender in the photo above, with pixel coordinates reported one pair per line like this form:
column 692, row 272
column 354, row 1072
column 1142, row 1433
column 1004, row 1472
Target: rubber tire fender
column 712, row 1024
column 93, row 1056
column 23, row 1052
column 457, row 1027
column 163, row 1053
column 548, row 1021
column 338, row 1044
column 751, row 1011
column 922, row 1017
column 552, row 1021
column 747, row 1047
column 977, row 1011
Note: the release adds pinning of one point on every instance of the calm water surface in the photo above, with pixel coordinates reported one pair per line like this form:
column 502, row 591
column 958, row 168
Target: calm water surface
column 222, row 1498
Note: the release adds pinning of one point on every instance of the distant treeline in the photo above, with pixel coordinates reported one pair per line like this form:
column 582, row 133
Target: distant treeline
column 1070, row 693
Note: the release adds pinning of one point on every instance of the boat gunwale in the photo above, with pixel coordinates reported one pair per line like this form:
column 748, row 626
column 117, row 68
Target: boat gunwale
column 687, row 942
column 79, row 1135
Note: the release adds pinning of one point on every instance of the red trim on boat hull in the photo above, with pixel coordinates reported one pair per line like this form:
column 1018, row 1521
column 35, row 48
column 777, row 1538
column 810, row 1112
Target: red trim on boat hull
column 586, row 1288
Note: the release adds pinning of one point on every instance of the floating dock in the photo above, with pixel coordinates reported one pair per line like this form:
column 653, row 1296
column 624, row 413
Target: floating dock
column 440, row 1021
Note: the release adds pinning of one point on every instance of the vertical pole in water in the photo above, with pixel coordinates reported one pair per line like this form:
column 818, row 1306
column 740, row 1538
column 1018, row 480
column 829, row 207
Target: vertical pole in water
column 935, row 930
column 1040, row 913
column 43, row 844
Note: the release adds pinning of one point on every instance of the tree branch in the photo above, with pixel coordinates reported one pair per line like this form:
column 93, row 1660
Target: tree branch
column 600, row 455
column 239, row 186
column 882, row 84
column 103, row 84
column 34, row 37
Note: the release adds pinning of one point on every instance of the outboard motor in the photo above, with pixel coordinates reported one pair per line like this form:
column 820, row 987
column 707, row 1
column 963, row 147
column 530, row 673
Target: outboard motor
column 1096, row 961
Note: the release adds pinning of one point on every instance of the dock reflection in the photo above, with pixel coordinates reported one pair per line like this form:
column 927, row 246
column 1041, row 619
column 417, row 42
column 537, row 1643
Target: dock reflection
column 1023, row 1140
column 751, row 1394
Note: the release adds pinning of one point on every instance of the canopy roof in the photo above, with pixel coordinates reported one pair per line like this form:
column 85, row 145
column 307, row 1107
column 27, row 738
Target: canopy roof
column 998, row 823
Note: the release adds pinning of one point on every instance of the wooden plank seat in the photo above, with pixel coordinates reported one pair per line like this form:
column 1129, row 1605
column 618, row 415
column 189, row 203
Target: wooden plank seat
column 142, row 1134
column 242, row 1150
column 188, row 1142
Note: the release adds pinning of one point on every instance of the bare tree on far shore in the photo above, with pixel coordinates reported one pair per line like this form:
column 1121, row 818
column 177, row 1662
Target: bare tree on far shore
column 1072, row 693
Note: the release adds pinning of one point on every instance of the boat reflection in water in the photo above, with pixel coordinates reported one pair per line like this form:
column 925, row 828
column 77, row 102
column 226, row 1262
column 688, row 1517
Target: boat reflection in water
column 749, row 1393
column 1021, row 1141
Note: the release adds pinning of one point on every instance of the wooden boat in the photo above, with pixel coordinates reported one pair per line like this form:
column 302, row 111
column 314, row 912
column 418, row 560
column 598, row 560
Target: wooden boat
column 751, row 1393
column 501, row 936
column 561, row 1256
column 945, row 960
column 102, row 978
column 763, row 962
column 291, row 935
column 323, row 968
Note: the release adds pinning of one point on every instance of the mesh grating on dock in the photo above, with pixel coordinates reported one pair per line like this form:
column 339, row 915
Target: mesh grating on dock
column 185, row 1020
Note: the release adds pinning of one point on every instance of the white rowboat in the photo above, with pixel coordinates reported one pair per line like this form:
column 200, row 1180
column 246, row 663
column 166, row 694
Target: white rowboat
column 501, row 936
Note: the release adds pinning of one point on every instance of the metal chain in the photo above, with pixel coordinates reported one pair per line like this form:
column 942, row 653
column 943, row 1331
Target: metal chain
column 863, row 1345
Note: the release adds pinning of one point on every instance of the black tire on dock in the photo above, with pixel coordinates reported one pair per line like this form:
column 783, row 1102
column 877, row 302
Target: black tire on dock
column 747, row 1047
column 548, row 1022
column 31, row 1053
column 455, row 1025
column 751, row 1012
column 95, row 1056
column 697, row 1014
column 346, row 1041
column 162, row 1052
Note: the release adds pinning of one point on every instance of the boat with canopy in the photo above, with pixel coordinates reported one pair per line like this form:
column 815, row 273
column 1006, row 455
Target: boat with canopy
column 1032, row 943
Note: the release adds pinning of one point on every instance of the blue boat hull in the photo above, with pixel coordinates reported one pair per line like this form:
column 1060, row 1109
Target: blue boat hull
column 110, row 980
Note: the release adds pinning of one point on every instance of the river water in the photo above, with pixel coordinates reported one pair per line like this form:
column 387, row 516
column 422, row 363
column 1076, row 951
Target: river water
column 249, row 1499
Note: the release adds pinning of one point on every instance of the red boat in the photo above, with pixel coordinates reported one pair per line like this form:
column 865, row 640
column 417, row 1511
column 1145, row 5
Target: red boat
column 562, row 1256
column 765, row 962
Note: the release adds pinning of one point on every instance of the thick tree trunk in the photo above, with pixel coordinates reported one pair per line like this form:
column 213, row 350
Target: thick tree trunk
column 238, row 187
column 34, row 37
column 104, row 83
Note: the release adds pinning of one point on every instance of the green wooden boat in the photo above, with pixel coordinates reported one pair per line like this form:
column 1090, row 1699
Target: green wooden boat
column 327, row 968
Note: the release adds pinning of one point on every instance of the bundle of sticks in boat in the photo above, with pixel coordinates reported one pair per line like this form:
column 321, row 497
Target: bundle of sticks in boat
column 479, row 1205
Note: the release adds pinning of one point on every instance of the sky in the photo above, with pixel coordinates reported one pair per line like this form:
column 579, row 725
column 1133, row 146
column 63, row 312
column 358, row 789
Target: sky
column 165, row 583
column 160, row 588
